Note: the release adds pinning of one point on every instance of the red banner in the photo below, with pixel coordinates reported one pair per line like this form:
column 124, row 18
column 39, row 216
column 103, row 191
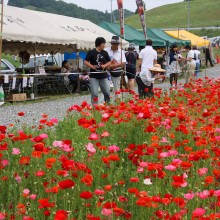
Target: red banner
column 141, row 10
column 121, row 16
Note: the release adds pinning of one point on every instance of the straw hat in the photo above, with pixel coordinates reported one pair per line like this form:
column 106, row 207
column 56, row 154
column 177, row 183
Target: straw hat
column 157, row 68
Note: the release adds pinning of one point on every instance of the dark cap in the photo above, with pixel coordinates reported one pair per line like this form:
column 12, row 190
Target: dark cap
column 115, row 40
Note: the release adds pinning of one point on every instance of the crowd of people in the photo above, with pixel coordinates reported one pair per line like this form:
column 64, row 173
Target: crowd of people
column 111, row 64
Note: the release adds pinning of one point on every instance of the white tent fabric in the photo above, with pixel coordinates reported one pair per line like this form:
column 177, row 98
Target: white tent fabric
column 44, row 32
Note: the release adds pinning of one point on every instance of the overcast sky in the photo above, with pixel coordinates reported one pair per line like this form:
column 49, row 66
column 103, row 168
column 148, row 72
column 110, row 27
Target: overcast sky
column 102, row 5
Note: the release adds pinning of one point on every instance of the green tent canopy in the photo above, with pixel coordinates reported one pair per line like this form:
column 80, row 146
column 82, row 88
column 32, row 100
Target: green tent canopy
column 131, row 34
column 158, row 36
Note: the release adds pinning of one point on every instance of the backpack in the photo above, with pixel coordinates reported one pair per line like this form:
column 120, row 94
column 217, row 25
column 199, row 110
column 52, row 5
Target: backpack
column 131, row 60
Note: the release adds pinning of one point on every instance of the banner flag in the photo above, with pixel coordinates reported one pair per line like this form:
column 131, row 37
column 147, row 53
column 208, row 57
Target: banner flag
column 121, row 16
column 141, row 12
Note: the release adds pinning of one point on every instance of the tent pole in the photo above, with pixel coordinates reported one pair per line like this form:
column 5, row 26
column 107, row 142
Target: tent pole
column 2, row 13
column 35, row 59
column 77, row 58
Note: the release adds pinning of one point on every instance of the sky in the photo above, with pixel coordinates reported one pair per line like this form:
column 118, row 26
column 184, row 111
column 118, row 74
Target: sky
column 103, row 5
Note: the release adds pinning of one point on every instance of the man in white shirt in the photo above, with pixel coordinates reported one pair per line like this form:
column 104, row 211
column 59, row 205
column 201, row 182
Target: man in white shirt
column 118, row 59
column 145, row 80
column 197, row 56
column 191, row 64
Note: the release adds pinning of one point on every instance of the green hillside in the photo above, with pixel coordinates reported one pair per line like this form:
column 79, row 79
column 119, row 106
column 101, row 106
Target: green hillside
column 202, row 13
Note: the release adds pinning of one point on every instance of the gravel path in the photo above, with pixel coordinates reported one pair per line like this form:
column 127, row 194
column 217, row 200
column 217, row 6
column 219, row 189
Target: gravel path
column 57, row 108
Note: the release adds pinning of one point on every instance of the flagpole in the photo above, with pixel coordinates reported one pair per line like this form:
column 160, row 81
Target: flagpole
column 2, row 11
column 121, row 15
column 145, row 20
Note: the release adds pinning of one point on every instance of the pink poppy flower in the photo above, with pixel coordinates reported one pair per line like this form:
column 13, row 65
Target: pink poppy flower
column 177, row 161
column 140, row 170
column 217, row 193
column 106, row 212
column 105, row 115
column 202, row 171
column 33, row 196
column 2, row 216
column 43, row 136
column 164, row 154
column 16, row 151
column 172, row 152
column 101, row 124
column 164, row 140
column 105, row 134
column 93, row 136
column 170, row 167
column 26, row 191
column 189, row 196
column 4, row 163
column 99, row 192
column 113, row 148
column 140, row 115
column 198, row 212
column 217, row 130
column 204, row 194
column 18, row 178
column 143, row 164
column 185, row 175
column 67, row 148
column 58, row 144
column 217, row 138
column 54, row 120
column 90, row 148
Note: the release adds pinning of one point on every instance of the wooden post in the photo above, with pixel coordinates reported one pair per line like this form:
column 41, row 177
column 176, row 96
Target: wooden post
column 1, row 31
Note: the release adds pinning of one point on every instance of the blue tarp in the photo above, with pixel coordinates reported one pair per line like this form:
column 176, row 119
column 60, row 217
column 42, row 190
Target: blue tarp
column 72, row 56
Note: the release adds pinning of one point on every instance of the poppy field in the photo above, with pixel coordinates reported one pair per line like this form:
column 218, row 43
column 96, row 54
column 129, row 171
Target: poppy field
column 157, row 158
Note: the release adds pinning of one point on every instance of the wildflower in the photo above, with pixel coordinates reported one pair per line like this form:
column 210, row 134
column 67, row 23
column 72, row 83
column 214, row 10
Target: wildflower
column 198, row 212
column 86, row 195
column 65, row 184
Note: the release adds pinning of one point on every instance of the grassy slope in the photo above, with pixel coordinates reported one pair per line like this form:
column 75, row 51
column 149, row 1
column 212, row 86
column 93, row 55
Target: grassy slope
column 202, row 13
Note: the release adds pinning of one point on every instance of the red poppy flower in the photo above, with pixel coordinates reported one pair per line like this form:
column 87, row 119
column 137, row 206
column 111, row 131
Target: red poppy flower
column 44, row 203
column 3, row 129
column 65, row 184
column 86, row 195
column 109, row 205
column 39, row 146
column 179, row 181
column 21, row 113
column 87, row 179
column 61, row 215
column 24, row 160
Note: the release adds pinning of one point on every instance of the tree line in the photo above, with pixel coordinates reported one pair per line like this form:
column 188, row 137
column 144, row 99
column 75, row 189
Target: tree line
column 67, row 9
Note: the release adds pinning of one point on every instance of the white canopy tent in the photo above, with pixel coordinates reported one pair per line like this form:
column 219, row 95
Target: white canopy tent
column 40, row 32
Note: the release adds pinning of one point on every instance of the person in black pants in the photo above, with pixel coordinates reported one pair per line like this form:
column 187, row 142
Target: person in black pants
column 207, row 57
column 131, row 57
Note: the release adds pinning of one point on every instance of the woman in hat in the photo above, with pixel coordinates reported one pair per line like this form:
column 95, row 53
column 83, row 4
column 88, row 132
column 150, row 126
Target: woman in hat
column 174, row 67
column 131, row 57
column 147, row 78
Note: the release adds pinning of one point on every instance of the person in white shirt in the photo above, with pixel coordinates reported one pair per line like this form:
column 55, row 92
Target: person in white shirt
column 145, row 79
column 197, row 56
column 118, row 59
column 191, row 64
